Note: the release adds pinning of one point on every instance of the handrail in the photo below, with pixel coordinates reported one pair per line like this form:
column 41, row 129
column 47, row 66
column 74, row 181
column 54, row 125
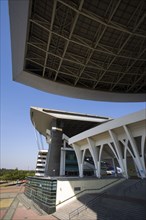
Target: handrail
column 85, row 206
column 95, row 189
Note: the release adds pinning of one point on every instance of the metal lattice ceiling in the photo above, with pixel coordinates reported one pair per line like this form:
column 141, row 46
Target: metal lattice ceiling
column 94, row 44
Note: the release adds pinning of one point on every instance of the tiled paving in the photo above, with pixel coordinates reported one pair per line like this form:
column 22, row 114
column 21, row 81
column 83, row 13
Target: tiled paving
column 12, row 209
column 23, row 213
column 2, row 213
column 5, row 203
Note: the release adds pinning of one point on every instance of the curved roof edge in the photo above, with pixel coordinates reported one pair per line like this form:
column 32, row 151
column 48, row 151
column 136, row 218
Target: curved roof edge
column 116, row 123
column 74, row 92
column 41, row 118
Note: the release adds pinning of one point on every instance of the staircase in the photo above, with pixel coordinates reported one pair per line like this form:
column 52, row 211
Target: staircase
column 125, row 201
column 64, row 211
column 29, row 204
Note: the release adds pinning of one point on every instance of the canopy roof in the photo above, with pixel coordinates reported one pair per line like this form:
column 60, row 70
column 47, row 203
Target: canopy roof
column 81, row 48
column 73, row 123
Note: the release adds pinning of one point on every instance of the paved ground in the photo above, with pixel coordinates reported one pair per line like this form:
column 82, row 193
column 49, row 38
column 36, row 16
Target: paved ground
column 12, row 209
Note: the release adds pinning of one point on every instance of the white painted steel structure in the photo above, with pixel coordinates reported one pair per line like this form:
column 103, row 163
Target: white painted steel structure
column 121, row 136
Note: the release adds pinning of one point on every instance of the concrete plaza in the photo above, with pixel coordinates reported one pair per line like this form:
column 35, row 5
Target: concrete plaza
column 12, row 208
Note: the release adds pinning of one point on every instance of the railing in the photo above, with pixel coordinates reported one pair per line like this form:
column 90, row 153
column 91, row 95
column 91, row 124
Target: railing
column 108, row 213
column 85, row 206
column 91, row 190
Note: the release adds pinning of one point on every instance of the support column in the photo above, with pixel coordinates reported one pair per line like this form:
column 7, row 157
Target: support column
column 115, row 168
column 83, row 157
column 143, row 146
column 119, row 153
column 99, row 162
column 137, row 156
column 94, row 154
column 79, row 156
column 54, row 151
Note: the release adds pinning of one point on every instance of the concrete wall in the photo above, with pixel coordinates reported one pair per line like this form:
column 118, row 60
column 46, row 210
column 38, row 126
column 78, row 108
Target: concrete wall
column 71, row 189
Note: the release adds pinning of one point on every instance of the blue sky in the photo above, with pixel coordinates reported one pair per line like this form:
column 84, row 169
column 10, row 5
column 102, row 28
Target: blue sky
column 18, row 144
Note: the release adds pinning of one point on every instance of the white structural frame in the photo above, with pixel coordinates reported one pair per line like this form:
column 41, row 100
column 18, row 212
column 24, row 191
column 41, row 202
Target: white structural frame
column 120, row 135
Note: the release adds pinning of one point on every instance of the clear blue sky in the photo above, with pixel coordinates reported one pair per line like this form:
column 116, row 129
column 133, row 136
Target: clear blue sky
column 18, row 144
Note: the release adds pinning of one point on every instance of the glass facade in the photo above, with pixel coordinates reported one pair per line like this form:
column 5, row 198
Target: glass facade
column 43, row 192
column 71, row 166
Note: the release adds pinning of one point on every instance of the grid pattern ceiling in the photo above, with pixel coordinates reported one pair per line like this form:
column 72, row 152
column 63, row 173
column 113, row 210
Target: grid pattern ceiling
column 93, row 44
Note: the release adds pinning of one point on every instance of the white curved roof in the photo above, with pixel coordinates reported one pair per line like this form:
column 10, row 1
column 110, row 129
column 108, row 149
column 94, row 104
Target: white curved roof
column 73, row 123
column 130, row 119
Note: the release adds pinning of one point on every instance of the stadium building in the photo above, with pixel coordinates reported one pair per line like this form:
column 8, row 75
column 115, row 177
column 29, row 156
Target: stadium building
column 81, row 148
column 91, row 50
column 57, row 127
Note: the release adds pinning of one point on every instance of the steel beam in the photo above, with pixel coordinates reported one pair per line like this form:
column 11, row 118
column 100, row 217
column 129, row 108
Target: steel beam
column 50, row 35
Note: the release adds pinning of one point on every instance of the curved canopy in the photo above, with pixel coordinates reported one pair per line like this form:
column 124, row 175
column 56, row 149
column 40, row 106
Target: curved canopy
column 81, row 48
column 71, row 122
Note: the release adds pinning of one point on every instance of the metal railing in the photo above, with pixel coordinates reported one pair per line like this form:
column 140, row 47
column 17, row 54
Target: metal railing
column 108, row 214
column 85, row 206
column 102, row 188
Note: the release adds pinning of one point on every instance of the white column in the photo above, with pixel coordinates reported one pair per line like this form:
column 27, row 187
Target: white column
column 83, row 156
column 134, row 147
column 143, row 145
column 99, row 161
column 114, row 166
column 119, row 153
column 79, row 155
column 94, row 153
